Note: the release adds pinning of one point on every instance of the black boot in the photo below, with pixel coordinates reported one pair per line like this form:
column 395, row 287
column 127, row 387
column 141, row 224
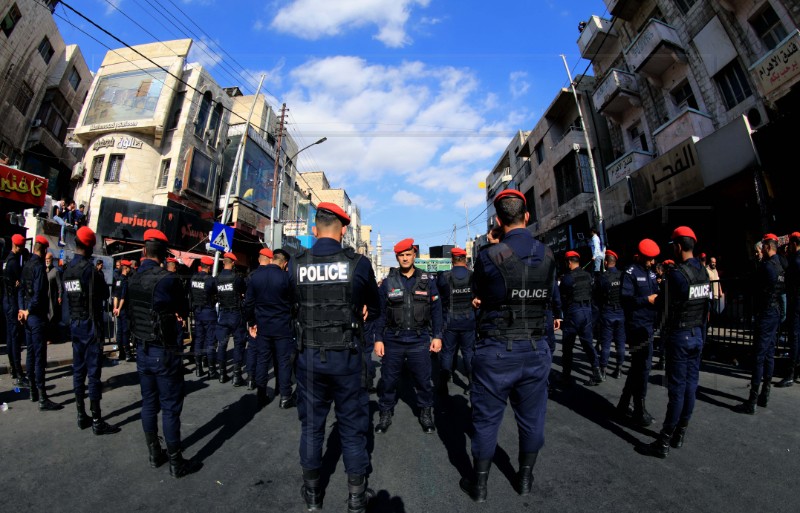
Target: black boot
column 99, row 426
column 131, row 354
column 311, row 491
column 623, row 408
column 763, row 397
column 358, row 495
column 179, row 467
column 213, row 373
column 565, row 379
column 251, row 384
column 262, row 397
column 238, row 381
column 426, row 420
column 384, row 422
column 659, row 448
column 525, row 475
column 476, row 487
column 444, row 378
column 121, row 357
column 34, row 394
column 14, row 373
column 46, row 404
column 596, row 378
column 616, row 372
column 84, row 421
column 22, row 379
column 602, row 373
column 198, row 367
column 287, row 402
column 749, row 406
column 223, row 372
column 677, row 437
column 640, row 415
column 157, row 455
column 796, row 373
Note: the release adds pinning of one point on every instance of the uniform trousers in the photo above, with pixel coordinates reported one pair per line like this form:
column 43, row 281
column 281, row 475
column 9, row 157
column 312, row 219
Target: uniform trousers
column 161, row 381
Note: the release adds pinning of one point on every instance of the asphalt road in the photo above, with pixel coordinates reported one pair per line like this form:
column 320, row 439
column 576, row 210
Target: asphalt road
column 730, row 462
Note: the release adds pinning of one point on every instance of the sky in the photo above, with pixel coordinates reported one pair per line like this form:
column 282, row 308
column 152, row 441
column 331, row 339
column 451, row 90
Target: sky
column 418, row 98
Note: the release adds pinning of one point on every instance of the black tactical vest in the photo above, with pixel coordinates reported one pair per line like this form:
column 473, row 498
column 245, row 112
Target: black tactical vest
column 26, row 281
column 460, row 305
column 198, row 290
column 148, row 325
column 9, row 281
column 326, row 315
column 79, row 297
column 528, row 289
column 581, row 291
column 229, row 298
column 691, row 311
column 612, row 289
column 408, row 309
column 770, row 293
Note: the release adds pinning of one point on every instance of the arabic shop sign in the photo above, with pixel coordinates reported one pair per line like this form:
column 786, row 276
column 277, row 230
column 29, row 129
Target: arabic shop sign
column 673, row 176
column 21, row 186
column 111, row 126
column 778, row 68
column 123, row 143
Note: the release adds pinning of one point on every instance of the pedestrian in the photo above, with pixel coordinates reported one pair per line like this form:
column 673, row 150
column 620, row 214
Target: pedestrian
column 412, row 328
column 514, row 282
column 608, row 294
column 598, row 251
column 61, row 216
column 120, row 312
column 230, row 292
column 156, row 299
column 332, row 287
column 576, row 296
column 718, row 296
column 203, row 296
column 54, row 296
column 85, row 294
column 455, row 287
column 770, row 289
column 639, row 293
column 686, row 300
column 793, row 311
column 33, row 308
column 12, row 275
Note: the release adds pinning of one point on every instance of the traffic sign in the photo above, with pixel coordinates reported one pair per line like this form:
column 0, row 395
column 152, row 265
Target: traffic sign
column 221, row 237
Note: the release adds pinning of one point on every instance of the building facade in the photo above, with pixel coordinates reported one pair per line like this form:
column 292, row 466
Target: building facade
column 314, row 185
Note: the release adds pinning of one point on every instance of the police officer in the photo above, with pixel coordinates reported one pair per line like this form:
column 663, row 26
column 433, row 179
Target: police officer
column 576, row 295
column 411, row 329
column 230, row 291
column 203, row 294
column 687, row 299
column 12, row 274
column 455, row 287
column 268, row 309
column 120, row 311
column 770, row 287
column 156, row 300
column 33, row 308
column 332, row 287
column 514, row 281
column 608, row 287
column 171, row 266
column 793, row 311
column 86, row 294
column 639, row 294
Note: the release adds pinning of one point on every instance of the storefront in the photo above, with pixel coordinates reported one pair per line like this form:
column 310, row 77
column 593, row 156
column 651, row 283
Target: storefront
column 18, row 191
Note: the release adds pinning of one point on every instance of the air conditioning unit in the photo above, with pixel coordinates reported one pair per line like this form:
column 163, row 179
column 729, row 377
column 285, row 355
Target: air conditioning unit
column 757, row 116
column 77, row 171
column 36, row 122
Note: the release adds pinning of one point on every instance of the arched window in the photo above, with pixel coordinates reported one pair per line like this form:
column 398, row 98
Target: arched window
column 202, row 115
column 213, row 124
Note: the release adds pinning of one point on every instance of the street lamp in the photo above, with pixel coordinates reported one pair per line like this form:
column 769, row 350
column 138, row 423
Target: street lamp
column 280, row 189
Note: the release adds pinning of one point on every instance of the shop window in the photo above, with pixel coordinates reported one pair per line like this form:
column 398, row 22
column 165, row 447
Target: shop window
column 163, row 176
column 768, row 27
column 733, row 85
column 114, row 168
column 683, row 96
column 46, row 50
column 23, row 98
column 10, row 20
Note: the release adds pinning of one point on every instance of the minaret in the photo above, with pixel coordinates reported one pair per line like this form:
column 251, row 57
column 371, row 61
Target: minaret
column 379, row 248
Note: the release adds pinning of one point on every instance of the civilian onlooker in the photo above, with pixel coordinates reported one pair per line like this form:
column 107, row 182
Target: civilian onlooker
column 60, row 216
column 717, row 296
column 598, row 252
column 79, row 216
column 55, row 293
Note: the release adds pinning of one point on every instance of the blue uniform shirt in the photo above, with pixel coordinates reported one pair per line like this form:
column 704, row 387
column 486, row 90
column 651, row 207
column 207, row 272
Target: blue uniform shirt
column 462, row 323
column 383, row 333
column 268, row 301
column 38, row 304
column 637, row 284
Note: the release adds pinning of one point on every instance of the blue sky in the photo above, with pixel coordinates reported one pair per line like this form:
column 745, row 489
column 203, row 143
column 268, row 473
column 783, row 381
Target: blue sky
column 418, row 98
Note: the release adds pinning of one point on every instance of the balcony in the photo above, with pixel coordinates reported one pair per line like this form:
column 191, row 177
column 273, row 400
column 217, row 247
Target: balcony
column 598, row 34
column 655, row 49
column 572, row 140
column 625, row 9
column 687, row 124
column 626, row 165
column 617, row 93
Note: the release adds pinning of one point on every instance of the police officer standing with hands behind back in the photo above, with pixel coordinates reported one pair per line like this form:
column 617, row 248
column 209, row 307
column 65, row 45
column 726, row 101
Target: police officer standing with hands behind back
column 455, row 287
column 203, row 294
column 230, row 292
column 608, row 287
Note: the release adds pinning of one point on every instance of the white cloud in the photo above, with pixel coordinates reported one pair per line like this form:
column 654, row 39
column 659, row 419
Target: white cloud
column 111, row 6
column 407, row 198
column 364, row 201
column 315, row 19
column 206, row 52
column 518, row 83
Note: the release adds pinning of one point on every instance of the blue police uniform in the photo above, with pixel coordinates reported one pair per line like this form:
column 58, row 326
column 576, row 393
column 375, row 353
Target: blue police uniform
column 792, row 281
column 203, row 293
column 331, row 286
column 12, row 274
column 455, row 287
column 576, row 294
column 123, row 330
column 608, row 288
column 638, row 283
column 230, row 289
column 411, row 314
column 268, row 305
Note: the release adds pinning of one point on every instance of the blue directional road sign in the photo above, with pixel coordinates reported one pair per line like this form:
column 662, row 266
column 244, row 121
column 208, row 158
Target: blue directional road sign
column 221, row 237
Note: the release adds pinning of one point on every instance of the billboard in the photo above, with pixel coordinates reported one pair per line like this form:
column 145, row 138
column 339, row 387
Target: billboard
column 132, row 95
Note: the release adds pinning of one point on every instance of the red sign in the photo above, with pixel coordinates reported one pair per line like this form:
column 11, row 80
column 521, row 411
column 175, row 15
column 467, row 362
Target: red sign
column 21, row 186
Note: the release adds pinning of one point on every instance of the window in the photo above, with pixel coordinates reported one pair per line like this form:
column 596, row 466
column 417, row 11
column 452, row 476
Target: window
column 24, row 97
column 164, row 175
column 114, row 168
column 202, row 176
column 768, row 27
column 202, row 115
column 175, row 111
column 10, row 20
column 733, row 85
column 573, row 177
column 46, row 50
column 530, row 200
column 97, row 167
column 74, row 79
column 538, row 150
column 55, row 113
column 638, row 138
column 685, row 5
column 546, row 202
column 213, row 124
column 683, row 96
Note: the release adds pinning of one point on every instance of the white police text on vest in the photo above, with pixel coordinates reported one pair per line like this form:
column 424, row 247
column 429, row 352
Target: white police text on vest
column 698, row 291
column 198, row 285
column 529, row 293
column 228, row 287
column 73, row 286
column 320, row 273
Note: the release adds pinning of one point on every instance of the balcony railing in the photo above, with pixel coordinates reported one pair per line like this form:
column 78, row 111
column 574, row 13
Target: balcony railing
column 572, row 140
column 617, row 92
column 626, row 165
column 656, row 48
column 688, row 123
column 597, row 36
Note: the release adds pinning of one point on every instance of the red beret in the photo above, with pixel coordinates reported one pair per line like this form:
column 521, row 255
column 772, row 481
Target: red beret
column 170, row 260
column 458, row 252
column 266, row 252
column 648, row 248
column 770, row 236
column 17, row 239
column 336, row 210
column 669, row 262
column 153, row 234
column 506, row 193
column 43, row 241
column 683, row 231
column 572, row 254
column 611, row 253
column 86, row 236
column 207, row 260
column 230, row 256
column 795, row 235
column 126, row 263
column 404, row 245
column 703, row 255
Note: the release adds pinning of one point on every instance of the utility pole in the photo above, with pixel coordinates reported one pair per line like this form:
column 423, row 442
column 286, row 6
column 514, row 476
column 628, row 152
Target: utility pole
column 275, row 179
column 466, row 215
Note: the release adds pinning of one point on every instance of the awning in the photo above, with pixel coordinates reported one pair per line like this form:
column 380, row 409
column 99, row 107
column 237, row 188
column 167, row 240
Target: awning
column 21, row 186
column 186, row 257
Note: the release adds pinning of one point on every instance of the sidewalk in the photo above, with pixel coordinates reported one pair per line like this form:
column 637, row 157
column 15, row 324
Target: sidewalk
column 59, row 355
